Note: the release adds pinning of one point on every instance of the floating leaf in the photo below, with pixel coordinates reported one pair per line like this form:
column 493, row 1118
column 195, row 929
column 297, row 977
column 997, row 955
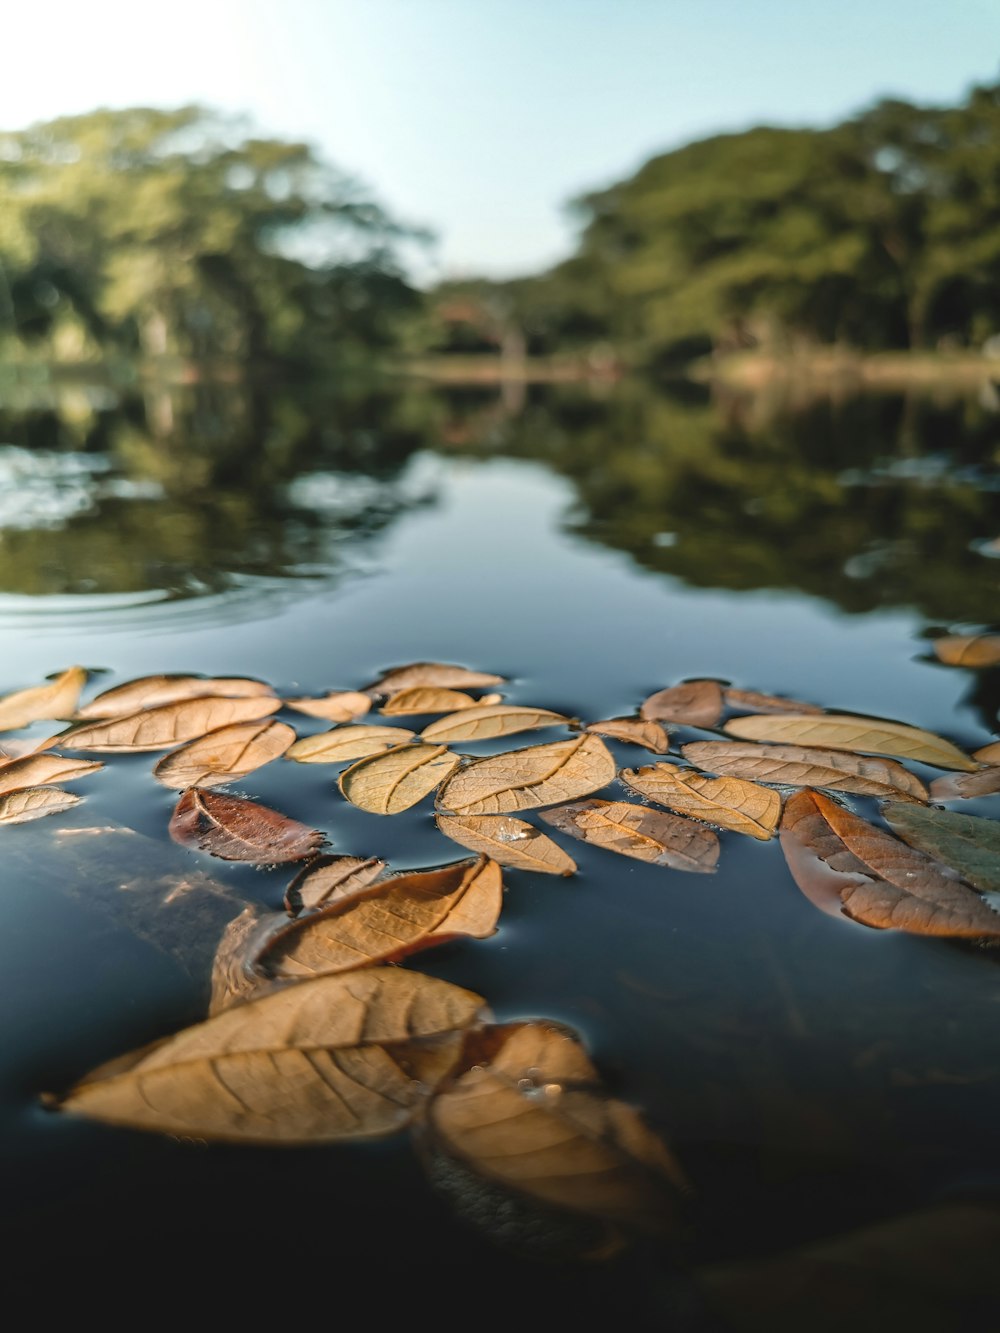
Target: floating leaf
column 804, row 766
column 638, row 831
column 989, row 754
column 970, row 845
column 426, row 699
column 965, row 786
column 224, row 754
column 437, row 674
column 483, row 722
column 532, row 1115
column 732, row 803
column 58, row 699
column 343, row 743
column 635, row 731
column 528, row 778
column 166, row 726
column 843, row 731
column 754, row 702
column 236, row 829
column 337, row 706
column 696, row 703
column 25, row 803
column 41, row 770
column 509, row 841
column 332, row 1059
column 329, row 879
column 155, row 691
column 879, row 880
column 389, row 783
column 968, row 650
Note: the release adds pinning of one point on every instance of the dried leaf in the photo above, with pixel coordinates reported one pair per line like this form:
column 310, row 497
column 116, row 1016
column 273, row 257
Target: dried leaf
column 805, row 766
column 989, row 754
column 441, row 674
column 155, row 691
column 968, row 650
column 751, row 701
column 328, row 1060
column 485, row 721
column 224, row 754
column 344, row 743
column 41, row 770
column 528, row 778
column 843, row 731
column 880, row 881
column 337, row 706
column 25, row 803
column 164, row 727
column 970, row 845
column 330, row 879
column 389, row 783
column 731, row 803
column 56, row 700
column 426, row 699
column 509, row 841
column 236, row 829
column 536, row 1119
column 696, row 703
column 964, row 786
column 634, row 731
column 641, row 832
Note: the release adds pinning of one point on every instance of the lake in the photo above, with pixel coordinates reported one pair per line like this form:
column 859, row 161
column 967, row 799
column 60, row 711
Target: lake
column 590, row 545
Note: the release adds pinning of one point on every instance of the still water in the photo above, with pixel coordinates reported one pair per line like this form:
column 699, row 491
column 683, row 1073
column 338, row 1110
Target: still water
column 591, row 546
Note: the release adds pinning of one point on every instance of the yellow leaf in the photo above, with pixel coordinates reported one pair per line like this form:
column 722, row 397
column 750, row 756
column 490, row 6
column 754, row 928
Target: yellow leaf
column 58, row 699
column 337, row 706
column 525, row 779
column 343, row 743
column 164, row 727
column 25, row 803
column 441, row 674
column 485, row 721
column 806, row 766
column 968, row 650
column 155, row 691
column 635, row 731
column 509, row 841
column 224, row 754
column 638, row 831
column 426, row 699
column 843, row 731
column 40, row 770
column 329, row 879
column 732, row 803
column 389, row 783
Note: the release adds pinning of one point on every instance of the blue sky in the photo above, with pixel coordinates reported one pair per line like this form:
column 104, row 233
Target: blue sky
column 481, row 118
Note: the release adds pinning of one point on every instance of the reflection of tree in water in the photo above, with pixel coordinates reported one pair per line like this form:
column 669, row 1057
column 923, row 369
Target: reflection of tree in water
column 185, row 491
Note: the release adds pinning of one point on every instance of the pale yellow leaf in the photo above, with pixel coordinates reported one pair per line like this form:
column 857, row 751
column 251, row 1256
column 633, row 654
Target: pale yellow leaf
column 426, row 699
column 805, row 766
column 166, row 726
column 56, row 700
column 731, row 803
column 485, row 721
column 844, row 731
column 509, row 841
column 988, row 754
column 344, row 743
column 755, row 702
column 155, row 691
column 443, row 674
column 224, row 754
column 525, row 779
column 638, row 831
column 40, row 770
column 25, row 803
column 337, row 706
column 634, row 730
column 329, row 879
column 389, row 783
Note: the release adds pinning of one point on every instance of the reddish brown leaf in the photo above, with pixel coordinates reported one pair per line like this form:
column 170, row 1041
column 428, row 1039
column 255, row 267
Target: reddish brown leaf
column 639, row 831
column 695, row 703
column 236, row 829
column 634, row 731
column 750, row 701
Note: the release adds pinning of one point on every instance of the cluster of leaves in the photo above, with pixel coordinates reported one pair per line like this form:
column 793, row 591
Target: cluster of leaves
column 312, row 1035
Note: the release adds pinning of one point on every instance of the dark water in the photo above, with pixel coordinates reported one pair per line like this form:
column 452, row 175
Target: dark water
column 813, row 1077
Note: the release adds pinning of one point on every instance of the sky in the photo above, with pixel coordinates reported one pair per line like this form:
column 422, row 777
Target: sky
column 482, row 119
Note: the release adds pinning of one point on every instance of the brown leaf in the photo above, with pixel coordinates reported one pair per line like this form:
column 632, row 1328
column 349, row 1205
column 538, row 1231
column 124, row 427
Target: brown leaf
column 328, row 1060
column 56, row 700
column 486, row 721
column 155, row 691
column 731, row 803
column 441, row 674
column 528, row 778
column 843, row 731
column 166, row 726
column 989, row 754
column 509, row 841
column 235, row 829
column 224, row 754
column 968, row 650
column 536, row 1119
column 695, row 703
column 641, row 832
column 25, row 803
column 40, row 770
column 962, row 786
column 330, row 879
column 337, row 706
column 343, row 743
column 806, row 766
column 635, row 731
column 426, row 699
column 389, row 783
column 968, row 844
column 879, row 880
column 751, row 701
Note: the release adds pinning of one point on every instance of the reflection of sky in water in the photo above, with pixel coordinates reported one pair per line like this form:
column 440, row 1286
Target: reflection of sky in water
column 44, row 490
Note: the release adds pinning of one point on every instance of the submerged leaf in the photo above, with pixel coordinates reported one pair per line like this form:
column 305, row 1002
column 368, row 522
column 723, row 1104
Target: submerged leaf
column 41, row 770
column 509, row 841
column 436, row 674
column 754, row 702
column 843, row 731
column 968, row 650
column 224, row 754
column 635, row 731
column 806, row 766
column 965, row 786
column 879, row 880
column 155, row 691
column 732, row 803
column 166, row 726
column 970, row 845
column 330, row 879
column 695, row 703
column 640, row 832
column 426, row 699
column 236, row 829
column 525, row 779
column 25, row 803
column 331, row 1059
column 389, row 783
column 56, row 700
column 337, row 706
column 344, row 743
column 485, row 721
